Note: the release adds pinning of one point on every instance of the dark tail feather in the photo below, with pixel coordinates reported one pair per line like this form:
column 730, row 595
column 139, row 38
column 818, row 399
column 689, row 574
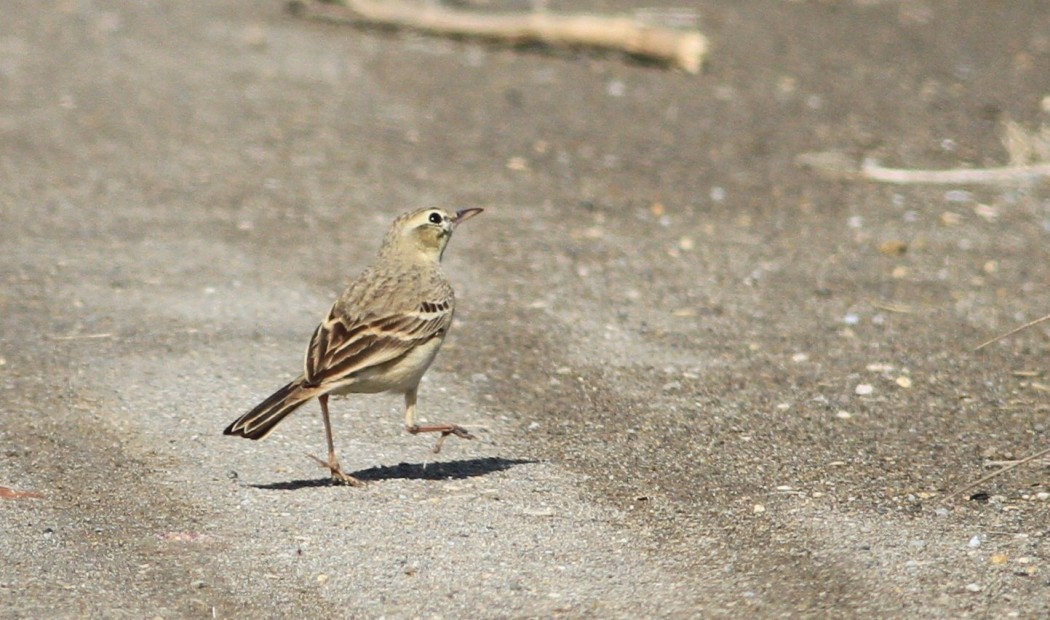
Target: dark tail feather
column 260, row 421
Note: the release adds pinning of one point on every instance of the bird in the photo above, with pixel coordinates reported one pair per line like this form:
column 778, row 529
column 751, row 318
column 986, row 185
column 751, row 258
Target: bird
column 380, row 335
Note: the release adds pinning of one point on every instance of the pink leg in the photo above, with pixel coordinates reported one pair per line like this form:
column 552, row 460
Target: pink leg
column 444, row 429
column 333, row 462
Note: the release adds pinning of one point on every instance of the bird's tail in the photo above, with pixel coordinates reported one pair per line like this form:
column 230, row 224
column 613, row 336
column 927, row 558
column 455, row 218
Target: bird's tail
column 260, row 421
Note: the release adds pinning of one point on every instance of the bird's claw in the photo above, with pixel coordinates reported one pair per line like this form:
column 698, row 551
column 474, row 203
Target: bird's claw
column 338, row 477
column 458, row 431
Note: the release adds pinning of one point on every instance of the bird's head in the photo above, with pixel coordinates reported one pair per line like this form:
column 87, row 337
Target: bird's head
column 424, row 233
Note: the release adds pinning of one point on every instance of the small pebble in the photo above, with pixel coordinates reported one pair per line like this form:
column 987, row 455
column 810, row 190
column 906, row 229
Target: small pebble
column 864, row 389
column 973, row 587
column 903, row 382
column 798, row 358
column 958, row 195
column 758, row 509
column 893, row 247
column 974, row 542
column 843, row 415
column 787, row 85
column 851, row 319
column 986, row 212
column 517, row 164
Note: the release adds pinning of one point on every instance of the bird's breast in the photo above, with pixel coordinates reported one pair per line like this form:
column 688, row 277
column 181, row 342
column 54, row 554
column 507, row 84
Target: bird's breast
column 398, row 375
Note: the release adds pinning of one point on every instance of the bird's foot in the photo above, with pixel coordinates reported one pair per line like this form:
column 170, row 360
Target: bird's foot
column 445, row 430
column 338, row 476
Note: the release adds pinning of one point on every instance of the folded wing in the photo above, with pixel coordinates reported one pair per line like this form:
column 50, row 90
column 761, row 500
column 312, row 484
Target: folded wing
column 343, row 346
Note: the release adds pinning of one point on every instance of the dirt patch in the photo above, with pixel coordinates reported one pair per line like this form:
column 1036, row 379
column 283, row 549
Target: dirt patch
column 707, row 380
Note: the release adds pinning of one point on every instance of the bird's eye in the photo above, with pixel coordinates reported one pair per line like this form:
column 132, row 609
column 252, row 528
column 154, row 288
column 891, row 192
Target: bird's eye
column 435, row 218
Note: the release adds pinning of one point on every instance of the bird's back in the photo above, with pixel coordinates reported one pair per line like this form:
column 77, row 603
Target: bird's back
column 387, row 288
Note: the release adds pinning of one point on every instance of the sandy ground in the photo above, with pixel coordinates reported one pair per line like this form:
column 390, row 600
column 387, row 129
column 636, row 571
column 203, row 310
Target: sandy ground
column 708, row 383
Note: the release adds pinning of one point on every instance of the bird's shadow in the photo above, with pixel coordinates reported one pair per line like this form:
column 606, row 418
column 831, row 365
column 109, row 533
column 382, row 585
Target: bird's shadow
column 449, row 470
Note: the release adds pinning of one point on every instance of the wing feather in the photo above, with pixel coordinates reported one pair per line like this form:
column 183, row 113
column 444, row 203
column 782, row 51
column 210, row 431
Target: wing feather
column 342, row 346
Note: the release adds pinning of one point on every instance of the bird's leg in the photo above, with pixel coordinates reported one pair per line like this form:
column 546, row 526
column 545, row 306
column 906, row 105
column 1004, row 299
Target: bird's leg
column 444, row 429
column 333, row 462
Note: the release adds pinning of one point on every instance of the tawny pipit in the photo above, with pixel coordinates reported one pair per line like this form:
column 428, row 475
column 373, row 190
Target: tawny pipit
column 380, row 335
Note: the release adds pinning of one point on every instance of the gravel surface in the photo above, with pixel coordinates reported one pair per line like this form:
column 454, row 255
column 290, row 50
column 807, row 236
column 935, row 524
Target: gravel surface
column 706, row 382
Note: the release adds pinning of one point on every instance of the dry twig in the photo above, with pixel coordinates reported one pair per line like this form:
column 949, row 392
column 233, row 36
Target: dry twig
column 83, row 336
column 998, row 472
column 1029, row 161
column 1026, row 459
column 9, row 493
column 681, row 48
column 838, row 165
column 1011, row 332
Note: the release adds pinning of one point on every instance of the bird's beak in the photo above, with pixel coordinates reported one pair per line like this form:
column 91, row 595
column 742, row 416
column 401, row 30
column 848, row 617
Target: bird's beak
column 465, row 214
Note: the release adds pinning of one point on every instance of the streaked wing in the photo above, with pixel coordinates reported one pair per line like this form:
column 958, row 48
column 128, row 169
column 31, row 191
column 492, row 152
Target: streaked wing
column 341, row 347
